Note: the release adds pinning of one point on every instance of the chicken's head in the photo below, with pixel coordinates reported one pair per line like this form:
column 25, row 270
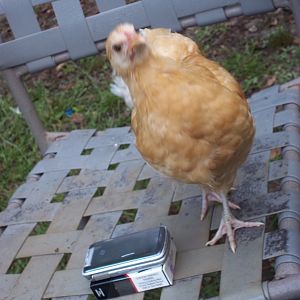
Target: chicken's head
column 125, row 48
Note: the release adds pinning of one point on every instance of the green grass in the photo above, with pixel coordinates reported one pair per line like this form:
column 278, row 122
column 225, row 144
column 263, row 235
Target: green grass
column 40, row 228
column 83, row 90
column 18, row 152
column 18, row 265
column 175, row 208
column 280, row 37
column 82, row 86
column 141, row 184
column 208, row 35
column 254, row 60
column 210, row 285
column 64, row 261
column 153, row 294
column 249, row 66
column 127, row 216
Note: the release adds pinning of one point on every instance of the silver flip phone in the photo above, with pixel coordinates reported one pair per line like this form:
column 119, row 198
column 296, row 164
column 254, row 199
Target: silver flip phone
column 124, row 254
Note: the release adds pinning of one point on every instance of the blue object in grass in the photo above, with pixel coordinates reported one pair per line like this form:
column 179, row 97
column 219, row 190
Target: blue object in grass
column 69, row 112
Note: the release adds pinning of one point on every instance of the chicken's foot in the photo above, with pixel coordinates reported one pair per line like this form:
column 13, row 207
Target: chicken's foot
column 212, row 196
column 229, row 225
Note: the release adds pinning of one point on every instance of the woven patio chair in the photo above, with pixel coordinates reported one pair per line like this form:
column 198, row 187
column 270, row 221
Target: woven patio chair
column 105, row 184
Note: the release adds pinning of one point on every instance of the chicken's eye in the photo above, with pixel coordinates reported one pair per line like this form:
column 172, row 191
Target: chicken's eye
column 117, row 47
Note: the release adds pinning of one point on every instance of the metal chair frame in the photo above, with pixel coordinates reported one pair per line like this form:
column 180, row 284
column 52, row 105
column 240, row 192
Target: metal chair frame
column 77, row 36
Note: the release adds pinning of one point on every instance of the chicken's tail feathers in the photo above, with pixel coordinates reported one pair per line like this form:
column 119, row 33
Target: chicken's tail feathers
column 119, row 88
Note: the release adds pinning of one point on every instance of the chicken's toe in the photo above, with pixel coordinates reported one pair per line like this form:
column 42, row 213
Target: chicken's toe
column 229, row 227
column 213, row 197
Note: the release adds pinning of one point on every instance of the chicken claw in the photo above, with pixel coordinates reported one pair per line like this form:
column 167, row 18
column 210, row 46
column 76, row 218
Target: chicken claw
column 229, row 224
column 211, row 196
column 229, row 227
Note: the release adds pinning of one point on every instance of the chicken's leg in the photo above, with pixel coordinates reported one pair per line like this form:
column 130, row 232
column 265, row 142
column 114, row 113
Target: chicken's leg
column 229, row 224
column 211, row 196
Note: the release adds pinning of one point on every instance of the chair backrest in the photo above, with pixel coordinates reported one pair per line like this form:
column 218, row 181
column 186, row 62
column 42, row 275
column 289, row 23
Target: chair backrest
column 77, row 36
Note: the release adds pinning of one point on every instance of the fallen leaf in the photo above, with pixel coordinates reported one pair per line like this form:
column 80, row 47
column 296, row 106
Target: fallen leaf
column 253, row 28
column 296, row 41
column 275, row 154
column 78, row 120
column 67, row 85
column 270, row 81
column 60, row 66
column 234, row 21
column 274, row 22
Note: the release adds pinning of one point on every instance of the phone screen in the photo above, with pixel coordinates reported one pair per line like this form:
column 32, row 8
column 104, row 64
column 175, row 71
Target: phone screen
column 126, row 248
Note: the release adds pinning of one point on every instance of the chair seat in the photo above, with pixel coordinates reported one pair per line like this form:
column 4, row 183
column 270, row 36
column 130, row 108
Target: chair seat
column 92, row 186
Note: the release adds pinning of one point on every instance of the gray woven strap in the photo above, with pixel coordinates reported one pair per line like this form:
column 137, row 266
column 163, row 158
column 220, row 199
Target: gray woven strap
column 31, row 48
column 211, row 17
column 102, row 24
column 243, row 271
column 162, row 14
column 73, row 26
column 104, row 5
column 23, row 22
column 21, row 17
column 256, row 6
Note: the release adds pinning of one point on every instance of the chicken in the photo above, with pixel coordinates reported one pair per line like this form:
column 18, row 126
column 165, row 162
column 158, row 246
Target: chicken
column 162, row 42
column 190, row 117
column 180, row 48
column 177, row 47
column 119, row 88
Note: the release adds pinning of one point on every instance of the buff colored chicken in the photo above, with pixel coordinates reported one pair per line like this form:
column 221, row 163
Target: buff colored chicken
column 190, row 117
column 177, row 47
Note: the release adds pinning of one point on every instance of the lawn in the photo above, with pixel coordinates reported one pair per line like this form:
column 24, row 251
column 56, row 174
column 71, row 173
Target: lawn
column 76, row 96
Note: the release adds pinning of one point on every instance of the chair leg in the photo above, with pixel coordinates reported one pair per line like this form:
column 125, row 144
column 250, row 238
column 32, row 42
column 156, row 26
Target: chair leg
column 295, row 6
column 27, row 108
